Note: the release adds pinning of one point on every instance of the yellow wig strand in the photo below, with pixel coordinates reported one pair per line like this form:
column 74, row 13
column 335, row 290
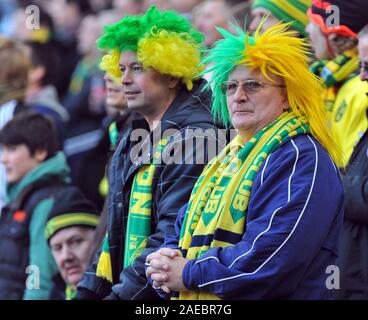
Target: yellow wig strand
column 280, row 52
column 110, row 64
column 171, row 53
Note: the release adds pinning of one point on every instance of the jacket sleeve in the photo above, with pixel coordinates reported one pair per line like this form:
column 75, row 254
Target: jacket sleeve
column 40, row 254
column 174, row 187
column 290, row 213
column 356, row 197
column 171, row 241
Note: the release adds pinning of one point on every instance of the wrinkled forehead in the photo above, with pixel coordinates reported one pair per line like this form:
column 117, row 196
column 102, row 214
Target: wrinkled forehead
column 242, row 72
column 65, row 234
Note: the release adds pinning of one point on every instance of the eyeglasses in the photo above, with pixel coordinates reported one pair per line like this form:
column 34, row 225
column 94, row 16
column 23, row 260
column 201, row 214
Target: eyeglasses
column 363, row 66
column 249, row 86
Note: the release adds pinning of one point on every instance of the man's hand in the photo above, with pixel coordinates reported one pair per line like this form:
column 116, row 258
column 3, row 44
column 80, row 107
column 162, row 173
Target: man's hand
column 165, row 269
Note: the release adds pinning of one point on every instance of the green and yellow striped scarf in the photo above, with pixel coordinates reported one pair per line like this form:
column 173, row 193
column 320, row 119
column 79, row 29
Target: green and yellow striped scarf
column 139, row 217
column 334, row 73
column 70, row 293
column 219, row 200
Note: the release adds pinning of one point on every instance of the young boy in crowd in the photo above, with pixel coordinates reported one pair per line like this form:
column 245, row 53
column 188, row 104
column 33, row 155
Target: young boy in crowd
column 36, row 172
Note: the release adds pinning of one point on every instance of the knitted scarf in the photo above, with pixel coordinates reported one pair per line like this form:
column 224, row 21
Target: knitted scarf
column 70, row 293
column 140, row 209
column 139, row 217
column 333, row 73
column 218, row 204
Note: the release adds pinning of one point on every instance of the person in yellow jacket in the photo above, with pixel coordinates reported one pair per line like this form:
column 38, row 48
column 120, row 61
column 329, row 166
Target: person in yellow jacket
column 336, row 48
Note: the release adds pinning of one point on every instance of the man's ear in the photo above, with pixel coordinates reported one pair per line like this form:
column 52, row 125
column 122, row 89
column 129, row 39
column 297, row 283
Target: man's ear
column 40, row 155
column 285, row 101
column 173, row 82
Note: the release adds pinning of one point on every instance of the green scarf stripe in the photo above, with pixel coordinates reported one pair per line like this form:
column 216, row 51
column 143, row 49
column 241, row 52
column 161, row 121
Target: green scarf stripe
column 105, row 245
column 70, row 293
column 140, row 208
column 71, row 219
column 113, row 133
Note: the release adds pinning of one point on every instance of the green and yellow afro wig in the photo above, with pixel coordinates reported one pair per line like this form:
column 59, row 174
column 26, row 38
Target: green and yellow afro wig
column 163, row 40
column 277, row 51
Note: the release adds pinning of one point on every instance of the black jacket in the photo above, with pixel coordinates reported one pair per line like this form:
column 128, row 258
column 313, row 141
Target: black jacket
column 172, row 186
column 353, row 249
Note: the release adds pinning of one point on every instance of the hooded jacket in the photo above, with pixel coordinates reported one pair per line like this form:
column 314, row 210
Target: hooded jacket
column 24, row 254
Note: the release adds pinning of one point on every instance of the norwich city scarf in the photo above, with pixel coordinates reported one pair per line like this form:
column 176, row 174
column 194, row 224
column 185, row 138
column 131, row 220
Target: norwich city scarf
column 70, row 293
column 218, row 204
column 333, row 73
column 139, row 217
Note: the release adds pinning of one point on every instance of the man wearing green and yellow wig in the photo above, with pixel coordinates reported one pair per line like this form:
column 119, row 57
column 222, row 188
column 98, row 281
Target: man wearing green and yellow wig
column 264, row 217
column 156, row 58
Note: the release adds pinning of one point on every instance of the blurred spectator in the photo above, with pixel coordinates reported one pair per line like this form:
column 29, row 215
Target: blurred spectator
column 43, row 34
column 353, row 253
column 67, row 16
column 294, row 11
column 185, row 8
column 86, row 147
column 119, row 119
column 7, row 9
column 15, row 66
column 363, row 53
column 336, row 47
column 70, row 233
column 99, row 5
column 79, row 101
column 36, row 173
column 41, row 93
column 47, row 34
column 161, row 4
column 218, row 13
column 128, row 7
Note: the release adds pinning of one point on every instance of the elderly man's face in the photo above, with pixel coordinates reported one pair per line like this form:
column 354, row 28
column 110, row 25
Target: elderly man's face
column 363, row 56
column 70, row 248
column 252, row 110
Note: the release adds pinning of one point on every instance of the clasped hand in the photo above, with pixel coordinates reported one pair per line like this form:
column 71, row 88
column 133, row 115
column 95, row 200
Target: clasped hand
column 165, row 269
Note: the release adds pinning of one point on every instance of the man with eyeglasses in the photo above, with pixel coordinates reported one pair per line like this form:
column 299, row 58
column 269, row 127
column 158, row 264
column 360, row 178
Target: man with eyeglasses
column 263, row 219
column 353, row 258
